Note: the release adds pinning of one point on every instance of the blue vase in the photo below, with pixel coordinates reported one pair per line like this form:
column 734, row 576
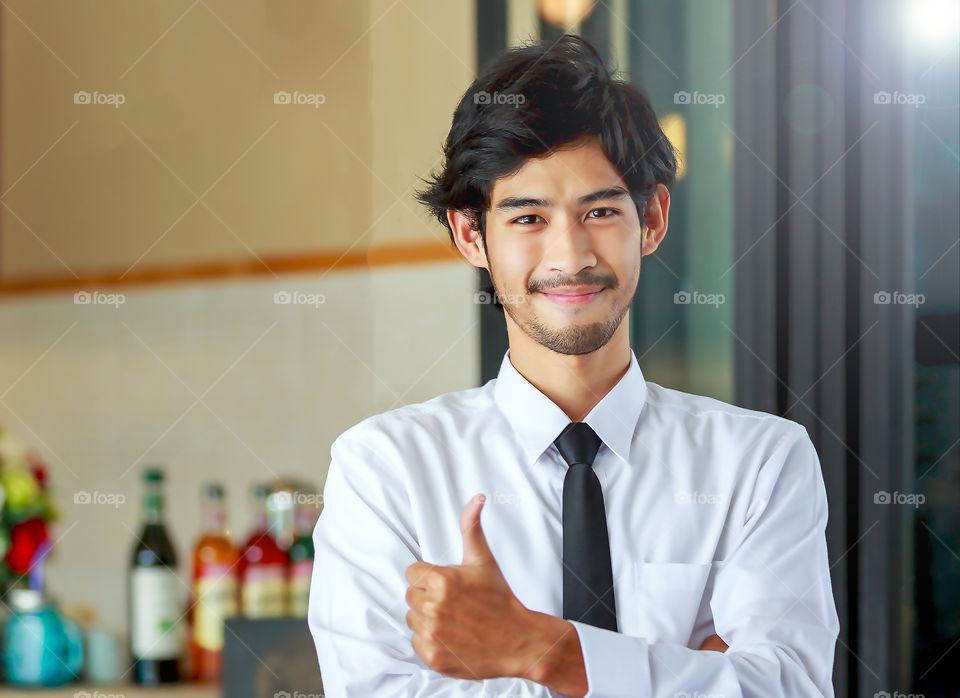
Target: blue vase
column 40, row 646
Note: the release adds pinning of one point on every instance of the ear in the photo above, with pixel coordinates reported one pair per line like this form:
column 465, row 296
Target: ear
column 466, row 235
column 655, row 219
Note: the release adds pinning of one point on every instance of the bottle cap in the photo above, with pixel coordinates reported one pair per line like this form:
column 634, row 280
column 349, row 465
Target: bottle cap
column 25, row 600
column 153, row 473
column 213, row 490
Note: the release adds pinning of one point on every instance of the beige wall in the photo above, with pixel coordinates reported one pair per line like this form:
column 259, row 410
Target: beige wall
column 413, row 103
column 100, row 391
column 89, row 187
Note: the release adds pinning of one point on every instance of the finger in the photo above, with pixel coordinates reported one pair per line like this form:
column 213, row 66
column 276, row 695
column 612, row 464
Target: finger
column 415, row 621
column 475, row 548
column 714, row 643
column 417, row 573
column 415, row 597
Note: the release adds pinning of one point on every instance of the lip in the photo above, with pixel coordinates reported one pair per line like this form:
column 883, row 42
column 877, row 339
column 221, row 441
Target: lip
column 567, row 298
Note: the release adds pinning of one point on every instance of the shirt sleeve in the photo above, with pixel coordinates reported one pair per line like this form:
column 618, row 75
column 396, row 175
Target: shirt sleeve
column 772, row 604
column 364, row 541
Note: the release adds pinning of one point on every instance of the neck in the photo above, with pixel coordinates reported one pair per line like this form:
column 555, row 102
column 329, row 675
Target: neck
column 260, row 521
column 213, row 523
column 575, row 383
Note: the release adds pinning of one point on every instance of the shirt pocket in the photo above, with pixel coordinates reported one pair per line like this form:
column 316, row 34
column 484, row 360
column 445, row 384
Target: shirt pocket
column 664, row 600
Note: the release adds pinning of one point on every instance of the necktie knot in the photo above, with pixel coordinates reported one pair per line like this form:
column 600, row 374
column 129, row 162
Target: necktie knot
column 578, row 443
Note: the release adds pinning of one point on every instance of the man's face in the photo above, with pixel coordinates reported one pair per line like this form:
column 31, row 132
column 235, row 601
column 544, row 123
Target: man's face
column 563, row 247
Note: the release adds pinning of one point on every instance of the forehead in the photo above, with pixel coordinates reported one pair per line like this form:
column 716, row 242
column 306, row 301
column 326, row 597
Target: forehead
column 563, row 174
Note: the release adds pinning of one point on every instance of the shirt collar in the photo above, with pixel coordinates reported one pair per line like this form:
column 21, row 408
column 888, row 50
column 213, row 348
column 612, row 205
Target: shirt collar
column 538, row 421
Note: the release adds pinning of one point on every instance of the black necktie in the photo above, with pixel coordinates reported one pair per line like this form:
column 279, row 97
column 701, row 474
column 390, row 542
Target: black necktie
column 587, row 574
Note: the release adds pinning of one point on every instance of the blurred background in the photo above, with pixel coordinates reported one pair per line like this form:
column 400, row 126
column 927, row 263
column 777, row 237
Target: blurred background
column 212, row 264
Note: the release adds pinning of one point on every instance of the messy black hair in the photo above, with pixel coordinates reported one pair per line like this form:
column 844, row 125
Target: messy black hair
column 534, row 99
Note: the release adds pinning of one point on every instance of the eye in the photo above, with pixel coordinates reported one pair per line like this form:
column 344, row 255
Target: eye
column 613, row 212
column 521, row 219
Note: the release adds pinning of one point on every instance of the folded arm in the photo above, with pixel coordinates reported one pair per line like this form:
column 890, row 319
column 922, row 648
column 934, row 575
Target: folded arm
column 772, row 604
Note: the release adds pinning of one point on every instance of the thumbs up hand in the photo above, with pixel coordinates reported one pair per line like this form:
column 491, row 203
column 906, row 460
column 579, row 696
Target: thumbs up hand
column 466, row 621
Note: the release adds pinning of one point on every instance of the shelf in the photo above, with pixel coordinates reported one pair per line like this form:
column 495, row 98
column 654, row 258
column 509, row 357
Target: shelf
column 77, row 690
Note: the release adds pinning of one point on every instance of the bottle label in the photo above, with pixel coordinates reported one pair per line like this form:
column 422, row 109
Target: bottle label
column 155, row 610
column 216, row 594
column 264, row 591
column 300, row 574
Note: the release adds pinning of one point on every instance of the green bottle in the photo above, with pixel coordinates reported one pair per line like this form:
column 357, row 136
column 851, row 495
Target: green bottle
column 301, row 553
column 155, row 594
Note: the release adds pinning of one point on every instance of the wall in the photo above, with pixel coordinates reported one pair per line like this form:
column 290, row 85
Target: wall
column 202, row 372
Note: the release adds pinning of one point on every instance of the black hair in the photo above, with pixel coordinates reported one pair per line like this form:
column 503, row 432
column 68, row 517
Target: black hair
column 533, row 99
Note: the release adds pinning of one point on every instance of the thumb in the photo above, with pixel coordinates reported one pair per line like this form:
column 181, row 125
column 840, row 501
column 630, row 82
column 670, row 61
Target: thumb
column 475, row 548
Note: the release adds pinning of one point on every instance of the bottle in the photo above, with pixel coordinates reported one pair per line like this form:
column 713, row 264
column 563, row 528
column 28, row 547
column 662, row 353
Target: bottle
column 263, row 566
column 154, row 594
column 301, row 556
column 42, row 647
column 280, row 517
column 215, row 586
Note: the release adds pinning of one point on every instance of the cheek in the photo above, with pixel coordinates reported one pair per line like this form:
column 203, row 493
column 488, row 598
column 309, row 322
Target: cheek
column 622, row 256
column 514, row 268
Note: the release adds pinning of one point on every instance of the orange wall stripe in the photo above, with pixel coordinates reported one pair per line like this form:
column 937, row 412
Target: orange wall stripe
column 375, row 256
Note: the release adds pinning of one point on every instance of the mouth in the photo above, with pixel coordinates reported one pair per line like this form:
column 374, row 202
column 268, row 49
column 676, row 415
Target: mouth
column 573, row 298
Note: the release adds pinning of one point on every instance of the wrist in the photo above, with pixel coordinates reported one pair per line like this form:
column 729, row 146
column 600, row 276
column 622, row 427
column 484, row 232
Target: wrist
column 552, row 657
column 534, row 651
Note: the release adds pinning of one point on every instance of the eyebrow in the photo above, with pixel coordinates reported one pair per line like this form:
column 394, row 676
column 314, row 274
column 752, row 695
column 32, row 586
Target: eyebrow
column 514, row 202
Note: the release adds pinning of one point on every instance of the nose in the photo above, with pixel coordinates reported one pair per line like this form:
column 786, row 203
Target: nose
column 569, row 247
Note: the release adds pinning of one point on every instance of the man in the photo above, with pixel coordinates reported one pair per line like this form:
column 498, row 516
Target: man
column 637, row 541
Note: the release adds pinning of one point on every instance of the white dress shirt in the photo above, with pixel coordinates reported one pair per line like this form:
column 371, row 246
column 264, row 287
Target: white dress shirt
column 715, row 513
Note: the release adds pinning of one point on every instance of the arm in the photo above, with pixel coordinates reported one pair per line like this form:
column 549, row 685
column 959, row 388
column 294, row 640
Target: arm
column 556, row 660
column 365, row 541
column 772, row 603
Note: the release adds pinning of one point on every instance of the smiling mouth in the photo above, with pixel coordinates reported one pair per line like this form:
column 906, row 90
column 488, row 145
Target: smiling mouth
column 572, row 299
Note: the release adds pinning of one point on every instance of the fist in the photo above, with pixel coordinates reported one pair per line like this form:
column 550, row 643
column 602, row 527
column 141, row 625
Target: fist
column 466, row 621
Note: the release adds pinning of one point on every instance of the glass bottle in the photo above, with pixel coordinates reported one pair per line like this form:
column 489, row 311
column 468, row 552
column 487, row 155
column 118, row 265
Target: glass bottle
column 154, row 594
column 215, row 586
column 301, row 554
column 263, row 566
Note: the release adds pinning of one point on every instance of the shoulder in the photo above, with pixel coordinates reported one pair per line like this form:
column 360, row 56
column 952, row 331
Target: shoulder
column 762, row 453
column 402, row 430
column 713, row 415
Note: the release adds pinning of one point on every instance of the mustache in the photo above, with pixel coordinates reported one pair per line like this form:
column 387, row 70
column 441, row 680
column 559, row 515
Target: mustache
column 602, row 280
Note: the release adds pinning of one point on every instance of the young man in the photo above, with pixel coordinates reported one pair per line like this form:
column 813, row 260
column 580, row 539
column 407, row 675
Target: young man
column 636, row 540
